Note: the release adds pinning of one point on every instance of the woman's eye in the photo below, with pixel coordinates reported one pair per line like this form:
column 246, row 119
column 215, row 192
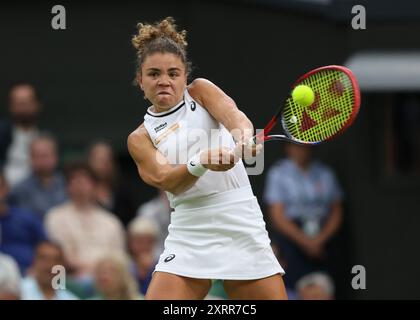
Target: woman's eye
column 173, row 75
column 153, row 74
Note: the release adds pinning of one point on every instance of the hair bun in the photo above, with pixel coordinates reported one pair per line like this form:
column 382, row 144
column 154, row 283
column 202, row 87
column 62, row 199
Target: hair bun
column 162, row 29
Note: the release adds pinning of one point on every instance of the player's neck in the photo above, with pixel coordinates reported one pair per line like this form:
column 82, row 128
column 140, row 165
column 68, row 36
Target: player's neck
column 157, row 109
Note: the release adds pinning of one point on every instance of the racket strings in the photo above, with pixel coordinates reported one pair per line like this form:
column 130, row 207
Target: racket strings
column 331, row 110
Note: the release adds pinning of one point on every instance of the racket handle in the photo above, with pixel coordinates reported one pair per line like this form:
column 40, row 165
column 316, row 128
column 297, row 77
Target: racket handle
column 251, row 142
column 258, row 138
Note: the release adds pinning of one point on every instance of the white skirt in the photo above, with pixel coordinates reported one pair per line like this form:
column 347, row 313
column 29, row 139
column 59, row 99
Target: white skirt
column 221, row 236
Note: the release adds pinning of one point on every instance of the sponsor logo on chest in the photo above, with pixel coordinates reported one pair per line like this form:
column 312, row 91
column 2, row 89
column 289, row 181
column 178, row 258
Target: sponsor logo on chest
column 160, row 127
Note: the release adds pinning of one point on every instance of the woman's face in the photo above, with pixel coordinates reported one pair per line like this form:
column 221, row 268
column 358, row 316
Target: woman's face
column 163, row 79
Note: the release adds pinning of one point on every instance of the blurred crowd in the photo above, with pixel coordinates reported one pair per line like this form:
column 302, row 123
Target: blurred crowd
column 73, row 231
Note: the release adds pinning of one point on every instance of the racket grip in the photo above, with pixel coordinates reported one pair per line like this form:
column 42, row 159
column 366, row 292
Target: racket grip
column 238, row 149
column 258, row 138
column 252, row 141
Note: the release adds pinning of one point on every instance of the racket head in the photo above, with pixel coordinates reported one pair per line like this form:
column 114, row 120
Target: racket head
column 335, row 107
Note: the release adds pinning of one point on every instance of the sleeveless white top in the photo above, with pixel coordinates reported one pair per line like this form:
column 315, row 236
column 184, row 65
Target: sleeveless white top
column 182, row 132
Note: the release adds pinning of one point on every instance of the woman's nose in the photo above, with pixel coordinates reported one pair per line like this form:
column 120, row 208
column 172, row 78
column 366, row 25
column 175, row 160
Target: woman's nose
column 164, row 80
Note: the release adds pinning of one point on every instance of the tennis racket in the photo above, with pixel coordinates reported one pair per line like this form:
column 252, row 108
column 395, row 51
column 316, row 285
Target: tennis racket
column 335, row 107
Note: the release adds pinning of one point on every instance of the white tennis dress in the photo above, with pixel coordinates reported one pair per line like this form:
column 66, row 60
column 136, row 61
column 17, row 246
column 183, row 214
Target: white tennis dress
column 217, row 229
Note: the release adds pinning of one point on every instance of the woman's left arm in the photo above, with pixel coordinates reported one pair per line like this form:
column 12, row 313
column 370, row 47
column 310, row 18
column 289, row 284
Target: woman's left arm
column 222, row 108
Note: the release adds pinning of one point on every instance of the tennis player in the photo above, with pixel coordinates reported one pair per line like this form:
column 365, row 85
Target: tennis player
column 217, row 229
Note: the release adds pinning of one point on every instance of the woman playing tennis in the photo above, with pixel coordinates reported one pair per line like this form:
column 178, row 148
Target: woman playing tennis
column 217, row 229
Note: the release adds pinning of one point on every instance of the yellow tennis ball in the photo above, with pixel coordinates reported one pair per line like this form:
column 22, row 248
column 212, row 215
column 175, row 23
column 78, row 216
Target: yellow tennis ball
column 303, row 95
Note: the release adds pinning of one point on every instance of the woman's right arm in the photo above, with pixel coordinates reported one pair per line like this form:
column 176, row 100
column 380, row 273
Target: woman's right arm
column 155, row 169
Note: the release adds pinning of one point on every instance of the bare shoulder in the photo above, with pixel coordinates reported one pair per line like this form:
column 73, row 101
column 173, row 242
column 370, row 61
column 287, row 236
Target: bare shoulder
column 212, row 98
column 137, row 140
column 199, row 88
column 138, row 134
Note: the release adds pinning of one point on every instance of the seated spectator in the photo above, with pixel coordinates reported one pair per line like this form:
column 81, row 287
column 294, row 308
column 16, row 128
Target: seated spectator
column 45, row 187
column 83, row 229
column 304, row 201
column 142, row 241
column 315, row 286
column 39, row 284
column 159, row 211
column 17, row 134
column 113, row 280
column 9, row 278
column 20, row 230
column 111, row 193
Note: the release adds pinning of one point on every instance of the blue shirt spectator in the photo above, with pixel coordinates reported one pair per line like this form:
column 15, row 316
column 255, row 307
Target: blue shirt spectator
column 32, row 194
column 20, row 231
column 304, row 202
column 45, row 187
column 305, row 195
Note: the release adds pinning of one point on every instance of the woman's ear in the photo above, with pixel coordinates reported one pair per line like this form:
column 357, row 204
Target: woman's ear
column 139, row 79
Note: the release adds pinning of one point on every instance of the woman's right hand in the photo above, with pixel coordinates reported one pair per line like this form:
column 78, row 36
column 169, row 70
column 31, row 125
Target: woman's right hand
column 219, row 159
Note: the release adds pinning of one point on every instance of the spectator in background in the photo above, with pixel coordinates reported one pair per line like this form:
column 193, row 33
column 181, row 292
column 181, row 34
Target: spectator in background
column 9, row 278
column 113, row 280
column 143, row 235
column 315, row 286
column 84, row 230
column 111, row 193
column 159, row 211
column 45, row 187
column 304, row 202
column 16, row 135
column 20, row 230
column 39, row 284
